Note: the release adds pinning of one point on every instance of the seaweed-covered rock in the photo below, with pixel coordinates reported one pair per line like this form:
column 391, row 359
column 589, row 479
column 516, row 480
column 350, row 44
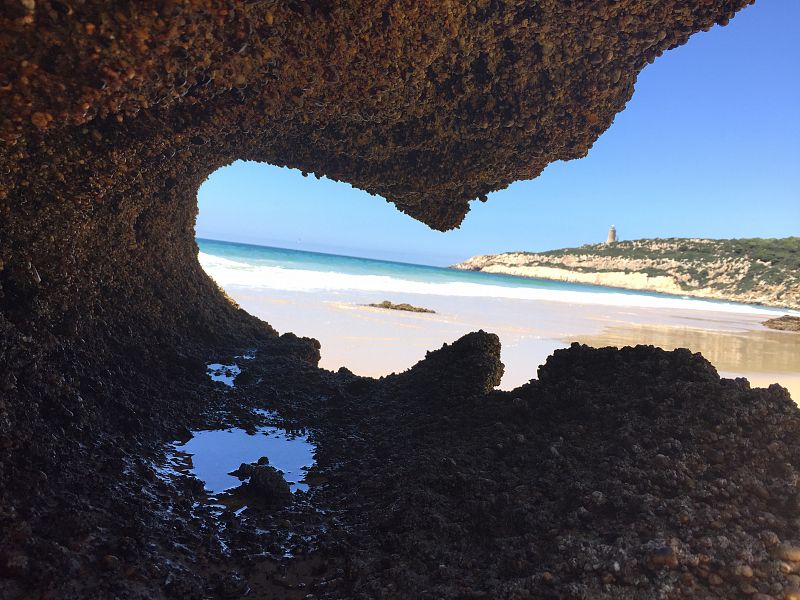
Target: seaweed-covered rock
column 784, row 323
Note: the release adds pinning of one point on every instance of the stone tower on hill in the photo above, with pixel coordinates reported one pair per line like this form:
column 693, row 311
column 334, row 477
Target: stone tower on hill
column 612, row 235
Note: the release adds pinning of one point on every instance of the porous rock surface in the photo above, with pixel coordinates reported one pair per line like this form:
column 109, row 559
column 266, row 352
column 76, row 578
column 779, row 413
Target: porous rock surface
column 112, row 115
column 428, row 104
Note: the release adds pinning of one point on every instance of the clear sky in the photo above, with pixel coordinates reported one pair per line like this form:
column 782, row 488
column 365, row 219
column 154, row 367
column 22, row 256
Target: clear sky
column 709, row 146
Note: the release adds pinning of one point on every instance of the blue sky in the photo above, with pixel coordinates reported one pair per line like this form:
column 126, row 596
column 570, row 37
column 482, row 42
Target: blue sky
column 709, row 146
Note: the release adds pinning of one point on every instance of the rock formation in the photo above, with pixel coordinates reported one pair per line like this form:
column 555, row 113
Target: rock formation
column 402, row 306
column 112, row 115
column 755, row 270
column 784, row 323
column 428, row 105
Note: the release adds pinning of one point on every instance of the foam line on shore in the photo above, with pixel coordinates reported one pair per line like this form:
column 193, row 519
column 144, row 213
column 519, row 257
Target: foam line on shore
column 228, row 272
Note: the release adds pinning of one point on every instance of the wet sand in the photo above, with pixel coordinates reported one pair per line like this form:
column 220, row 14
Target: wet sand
column 372, row 341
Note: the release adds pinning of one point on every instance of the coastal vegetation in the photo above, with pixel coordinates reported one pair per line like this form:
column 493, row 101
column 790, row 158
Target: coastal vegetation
column 753, row 270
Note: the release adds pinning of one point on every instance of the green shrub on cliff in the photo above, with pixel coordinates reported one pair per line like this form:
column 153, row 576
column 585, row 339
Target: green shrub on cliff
column 748, row 269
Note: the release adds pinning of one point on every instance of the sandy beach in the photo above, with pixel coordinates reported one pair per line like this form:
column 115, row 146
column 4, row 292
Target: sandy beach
column 372, row 341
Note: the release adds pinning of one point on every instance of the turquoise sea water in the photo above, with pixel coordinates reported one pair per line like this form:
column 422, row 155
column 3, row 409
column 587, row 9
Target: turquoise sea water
column 266, row 256
column 265, row 267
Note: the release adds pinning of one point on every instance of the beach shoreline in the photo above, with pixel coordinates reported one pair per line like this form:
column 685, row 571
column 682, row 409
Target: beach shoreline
column 375, row 342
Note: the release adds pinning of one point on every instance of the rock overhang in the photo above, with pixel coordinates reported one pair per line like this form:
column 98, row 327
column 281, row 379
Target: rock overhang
column 112, row 115
column 428, row 104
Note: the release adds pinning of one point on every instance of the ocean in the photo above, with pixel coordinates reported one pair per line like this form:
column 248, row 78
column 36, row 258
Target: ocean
column 264, row 267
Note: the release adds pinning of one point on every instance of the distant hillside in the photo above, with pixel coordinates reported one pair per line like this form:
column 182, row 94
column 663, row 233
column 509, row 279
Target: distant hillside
column 754, row 270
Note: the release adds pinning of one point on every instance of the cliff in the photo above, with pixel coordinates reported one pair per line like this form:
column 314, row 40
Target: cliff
column 757, row 271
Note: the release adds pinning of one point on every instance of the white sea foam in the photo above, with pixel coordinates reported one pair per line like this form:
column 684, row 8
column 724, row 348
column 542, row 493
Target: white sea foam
column 228, row 272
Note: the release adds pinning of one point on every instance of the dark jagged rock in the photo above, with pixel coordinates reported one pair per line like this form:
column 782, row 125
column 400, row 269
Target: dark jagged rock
column 266, row 486
column 620, row 473
column 468, row 366
column 112, row 116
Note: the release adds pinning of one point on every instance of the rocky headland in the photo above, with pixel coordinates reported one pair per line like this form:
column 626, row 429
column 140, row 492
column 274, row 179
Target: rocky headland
column 756, row 271
column 618, row 474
